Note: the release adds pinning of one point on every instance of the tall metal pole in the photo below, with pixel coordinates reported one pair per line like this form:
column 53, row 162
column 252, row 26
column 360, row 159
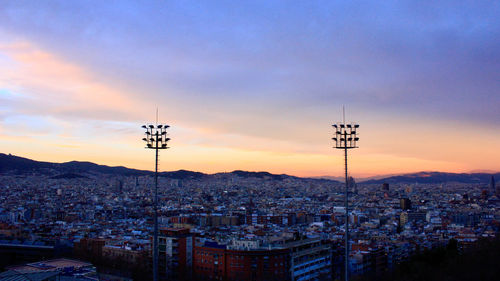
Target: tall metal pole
column 346, row 138
column 156, row 138
column 346, row 202
column 155, row 242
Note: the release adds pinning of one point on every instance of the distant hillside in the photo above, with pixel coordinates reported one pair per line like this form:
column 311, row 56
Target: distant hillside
column 259, row 175
column 339, row 179
column 183, row 174
column 21, row 165
column 436, row 177
column 74, row 169
column 10, row 162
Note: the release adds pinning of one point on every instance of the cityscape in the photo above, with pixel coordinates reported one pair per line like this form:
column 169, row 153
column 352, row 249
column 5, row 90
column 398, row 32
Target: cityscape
column 238, row 225
column 246, row 141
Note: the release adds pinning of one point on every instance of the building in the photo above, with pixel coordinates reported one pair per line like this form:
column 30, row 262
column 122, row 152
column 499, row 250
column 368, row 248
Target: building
column 257, row 264
column 352, row 186
column 359, row 262
column 56, row 269
column 175, row 255
column 122, row 254
column 492, row 185
column 397, row 252
column 378, row 260
column 405, row 204
column 310, row 259
column 16, row 252
column 9, row 230
column 12, row 275
column 367, row 259
column 466, row 219
column 89, row 248
column 214, row 261
column 410, row 216
column 209, row 261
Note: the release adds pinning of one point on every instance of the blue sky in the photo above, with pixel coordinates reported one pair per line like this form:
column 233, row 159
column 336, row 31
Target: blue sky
column 257, row 82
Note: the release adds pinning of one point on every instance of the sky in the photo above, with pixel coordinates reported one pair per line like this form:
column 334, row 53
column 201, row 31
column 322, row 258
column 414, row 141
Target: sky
column 253, row 85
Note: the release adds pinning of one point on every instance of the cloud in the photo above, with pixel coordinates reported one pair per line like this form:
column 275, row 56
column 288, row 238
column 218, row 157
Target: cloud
column 261, row 78
column 63, row 89
column 437, row 59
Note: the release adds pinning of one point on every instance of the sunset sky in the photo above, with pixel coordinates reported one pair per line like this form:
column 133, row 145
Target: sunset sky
column 253, row 85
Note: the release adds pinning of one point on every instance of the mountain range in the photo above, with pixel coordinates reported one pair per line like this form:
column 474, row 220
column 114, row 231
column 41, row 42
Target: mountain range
column 20, row 165
column 437, row 177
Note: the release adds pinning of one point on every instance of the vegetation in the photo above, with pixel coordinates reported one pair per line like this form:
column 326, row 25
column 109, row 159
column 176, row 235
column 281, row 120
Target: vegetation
column 479, row 262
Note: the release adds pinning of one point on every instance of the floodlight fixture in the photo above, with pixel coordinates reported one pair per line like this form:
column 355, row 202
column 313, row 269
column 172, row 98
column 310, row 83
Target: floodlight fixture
column 348, row 135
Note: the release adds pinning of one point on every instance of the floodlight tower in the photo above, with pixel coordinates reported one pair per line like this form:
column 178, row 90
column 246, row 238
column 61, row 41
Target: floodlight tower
column 156, row 138
column 346, row 138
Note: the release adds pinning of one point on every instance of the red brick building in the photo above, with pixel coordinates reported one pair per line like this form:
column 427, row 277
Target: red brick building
column 209, row 262
column 89, row 248
column 175, row 257
column 215, row 262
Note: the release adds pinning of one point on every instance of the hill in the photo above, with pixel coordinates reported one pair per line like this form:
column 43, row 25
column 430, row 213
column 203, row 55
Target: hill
column 436, row 178
column 19, row 165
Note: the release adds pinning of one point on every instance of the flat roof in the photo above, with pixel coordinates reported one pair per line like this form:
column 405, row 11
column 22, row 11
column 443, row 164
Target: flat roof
column 55, row 264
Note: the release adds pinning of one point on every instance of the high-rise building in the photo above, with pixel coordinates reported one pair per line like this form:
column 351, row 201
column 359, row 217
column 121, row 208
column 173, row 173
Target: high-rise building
column 351, row 183
column 311, row 259
column 385, row 186
column 405, row 203
column 493, row 185
column 175, row 255
column 119, row 186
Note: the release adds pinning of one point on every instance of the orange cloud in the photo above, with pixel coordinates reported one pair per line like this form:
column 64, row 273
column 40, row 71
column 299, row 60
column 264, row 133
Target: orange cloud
column 53, row 85
column 99, row 122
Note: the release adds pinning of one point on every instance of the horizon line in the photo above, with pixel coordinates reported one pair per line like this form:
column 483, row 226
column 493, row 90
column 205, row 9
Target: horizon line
column 329, row 177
